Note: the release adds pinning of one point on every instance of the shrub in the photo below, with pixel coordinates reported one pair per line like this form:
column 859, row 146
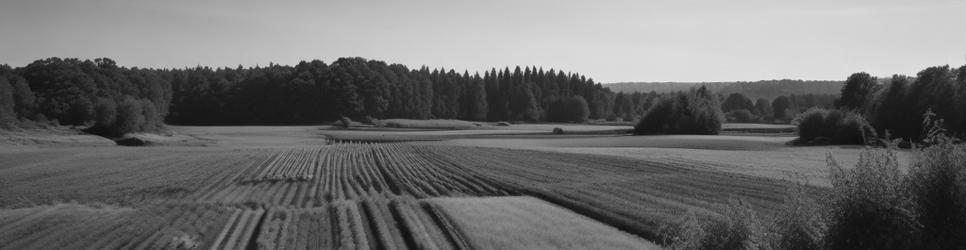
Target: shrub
column 130, row 117
column 871, row 206
column 831, row 123
column 852, row 129
column 558, row 131
column 937, row 184
column 819, row 126
column 868, row 208
column 694, row 112
column 811, row 124
column 737, row 228
column 799, row 225
column 369, row 120
column 345, row 122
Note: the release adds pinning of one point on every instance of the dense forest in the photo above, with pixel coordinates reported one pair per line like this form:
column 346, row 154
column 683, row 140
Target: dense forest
column 113, row 100
column 313, row 92
column 116, row 99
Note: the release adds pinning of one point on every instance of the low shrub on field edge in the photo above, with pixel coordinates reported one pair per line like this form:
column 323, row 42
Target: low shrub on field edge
column 738, row 227
column 874, row 205
column 799, row 225
column 869, row 207
column 937, row 186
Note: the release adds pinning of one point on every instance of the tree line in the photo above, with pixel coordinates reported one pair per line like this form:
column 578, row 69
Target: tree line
column 739, row 108
column 901, row 107
column 313, row 92
column 116, row 100
column 112, row 99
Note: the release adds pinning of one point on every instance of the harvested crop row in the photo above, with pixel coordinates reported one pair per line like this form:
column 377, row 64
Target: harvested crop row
column 239, row 231
column 71, row 226
column 304, row 177
column 401, row 223
column 633, row 195
column 122, row 178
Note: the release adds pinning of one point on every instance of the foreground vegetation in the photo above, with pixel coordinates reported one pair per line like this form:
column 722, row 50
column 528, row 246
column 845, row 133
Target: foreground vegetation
column 874, row 205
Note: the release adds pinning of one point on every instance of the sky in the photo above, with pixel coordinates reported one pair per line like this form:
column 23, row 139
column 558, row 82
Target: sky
column 609, row 41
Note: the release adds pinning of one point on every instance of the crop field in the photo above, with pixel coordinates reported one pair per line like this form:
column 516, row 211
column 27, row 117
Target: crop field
column 354, row 195
column 761, row 156
column 529, row 223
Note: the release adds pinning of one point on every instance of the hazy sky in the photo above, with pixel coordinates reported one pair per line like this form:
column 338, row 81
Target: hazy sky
column 610, row 41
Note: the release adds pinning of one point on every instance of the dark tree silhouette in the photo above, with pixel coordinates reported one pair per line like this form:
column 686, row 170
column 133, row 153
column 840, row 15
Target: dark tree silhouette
column 694, row 112
column 737, row 101
column 857, row 88
column 779, row 107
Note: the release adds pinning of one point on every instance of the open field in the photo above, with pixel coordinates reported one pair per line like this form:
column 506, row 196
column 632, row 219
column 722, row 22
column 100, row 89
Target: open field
column 763, row 156
column 293, row 187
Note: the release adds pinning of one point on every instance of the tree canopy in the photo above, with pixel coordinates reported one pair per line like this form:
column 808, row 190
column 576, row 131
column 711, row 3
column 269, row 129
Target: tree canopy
column 116, row 100
column 694, row 112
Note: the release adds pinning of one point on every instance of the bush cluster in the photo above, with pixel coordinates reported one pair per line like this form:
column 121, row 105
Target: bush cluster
column 868, row 207
column 738, row 227
column 129, row 115
column 873, row 205
column 694, row 112
column 820, row 126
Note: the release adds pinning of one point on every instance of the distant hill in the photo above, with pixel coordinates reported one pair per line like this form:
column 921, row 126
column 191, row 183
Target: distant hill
column 768, row 89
